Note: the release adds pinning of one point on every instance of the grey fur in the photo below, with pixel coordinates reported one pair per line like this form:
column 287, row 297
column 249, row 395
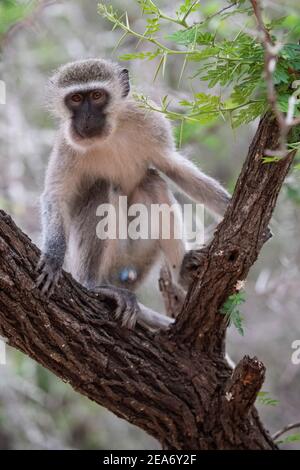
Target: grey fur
column 85, row 71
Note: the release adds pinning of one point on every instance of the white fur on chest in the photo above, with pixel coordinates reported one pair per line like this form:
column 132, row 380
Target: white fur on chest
column 122, row 161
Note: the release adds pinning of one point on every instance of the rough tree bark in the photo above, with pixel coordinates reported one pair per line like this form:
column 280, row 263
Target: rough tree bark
column 177, row 386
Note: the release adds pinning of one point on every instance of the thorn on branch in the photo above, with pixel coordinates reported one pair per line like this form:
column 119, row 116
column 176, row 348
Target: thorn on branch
column 242, row 388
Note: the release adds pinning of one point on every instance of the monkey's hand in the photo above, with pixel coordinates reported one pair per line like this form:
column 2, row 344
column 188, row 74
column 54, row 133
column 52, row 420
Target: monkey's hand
column 49, row 270
column 127, row 308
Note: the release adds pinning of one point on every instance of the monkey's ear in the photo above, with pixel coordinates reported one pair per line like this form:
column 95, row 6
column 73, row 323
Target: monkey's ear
column 124, row 76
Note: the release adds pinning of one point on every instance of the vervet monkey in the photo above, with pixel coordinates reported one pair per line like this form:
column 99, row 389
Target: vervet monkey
column 107, row 146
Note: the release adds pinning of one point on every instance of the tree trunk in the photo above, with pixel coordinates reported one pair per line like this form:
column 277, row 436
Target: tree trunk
column 177, row 386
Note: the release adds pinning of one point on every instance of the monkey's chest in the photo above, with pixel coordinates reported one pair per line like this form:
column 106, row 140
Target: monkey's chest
column 122, row 166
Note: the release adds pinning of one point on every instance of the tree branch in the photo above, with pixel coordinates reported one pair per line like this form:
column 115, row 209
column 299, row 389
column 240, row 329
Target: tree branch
column 237, row 242
column 285, row 429
column 285, row 123
column 174, row 385
column 242, row 388
column 152, row 381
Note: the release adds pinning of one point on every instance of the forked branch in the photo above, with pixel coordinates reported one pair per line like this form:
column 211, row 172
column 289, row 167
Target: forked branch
column 174, row 385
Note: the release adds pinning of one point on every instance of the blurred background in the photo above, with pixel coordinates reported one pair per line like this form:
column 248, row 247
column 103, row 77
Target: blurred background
column 37, row 410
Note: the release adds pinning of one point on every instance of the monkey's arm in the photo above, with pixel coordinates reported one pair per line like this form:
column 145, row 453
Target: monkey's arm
column 54, row 244
column 193, row 181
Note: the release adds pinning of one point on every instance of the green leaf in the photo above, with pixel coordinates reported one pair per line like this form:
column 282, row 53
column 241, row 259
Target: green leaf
column 148, row 7
column 289, row 439
column 264, row 398
column 290, row 52
column 281, row 73
column 140, row 55
column 12, row 12
column 233, row 62
column 276, row 22
column 191, row 36
column 187, row 6
column 204, row 108
column 230, row 309
column 203, row 54
column 152, row 26
column 248, row 113
column 243, row 91
column 270, row 159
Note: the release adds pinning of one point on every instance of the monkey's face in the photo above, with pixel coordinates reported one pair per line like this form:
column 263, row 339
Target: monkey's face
column 89, row 114
column 87, row 95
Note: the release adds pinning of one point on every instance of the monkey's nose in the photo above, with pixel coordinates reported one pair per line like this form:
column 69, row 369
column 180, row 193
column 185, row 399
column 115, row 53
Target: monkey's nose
column 92, row 129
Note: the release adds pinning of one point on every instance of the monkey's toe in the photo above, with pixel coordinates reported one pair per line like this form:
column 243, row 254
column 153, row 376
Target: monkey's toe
column 127, row 311
column 48, row 277
column 128, row 317
column 46, row 283
column 127, row 308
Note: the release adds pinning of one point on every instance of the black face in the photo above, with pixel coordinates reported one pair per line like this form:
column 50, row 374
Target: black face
column 88, row 111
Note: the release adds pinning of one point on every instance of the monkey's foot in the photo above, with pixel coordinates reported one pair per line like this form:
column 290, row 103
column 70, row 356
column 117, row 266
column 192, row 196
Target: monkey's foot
column 190, row 264
column 128, row 310
column 49, row 272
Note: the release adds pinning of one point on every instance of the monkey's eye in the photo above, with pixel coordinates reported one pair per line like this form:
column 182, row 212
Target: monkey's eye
column 76, row 98
column 98, row 95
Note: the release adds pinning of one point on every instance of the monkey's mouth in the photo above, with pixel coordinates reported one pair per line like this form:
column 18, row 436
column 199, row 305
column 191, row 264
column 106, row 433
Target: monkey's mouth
column 89, row 134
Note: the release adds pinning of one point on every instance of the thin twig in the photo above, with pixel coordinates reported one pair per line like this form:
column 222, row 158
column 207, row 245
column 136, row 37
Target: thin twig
column 217, row 13
column 285, row 429
column 271, row 50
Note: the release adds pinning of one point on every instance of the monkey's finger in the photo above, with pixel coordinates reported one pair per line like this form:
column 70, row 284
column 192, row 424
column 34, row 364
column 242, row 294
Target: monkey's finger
column 53, row 285
column 50, row 289
column 121, row 305
column 129, row 319
column 131, row 314
column 120, row 310
column 46, row 286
